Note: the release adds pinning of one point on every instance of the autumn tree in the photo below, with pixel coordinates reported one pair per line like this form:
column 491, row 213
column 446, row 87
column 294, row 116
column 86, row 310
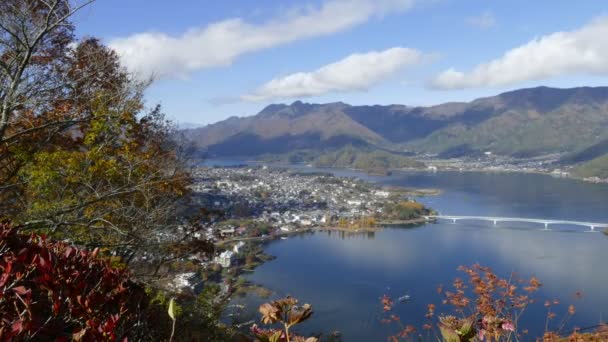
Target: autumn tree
column 35, row 39
column 85, row 161
column 81, row 157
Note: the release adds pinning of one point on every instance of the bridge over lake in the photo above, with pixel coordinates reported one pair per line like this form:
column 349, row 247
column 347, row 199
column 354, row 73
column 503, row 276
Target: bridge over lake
column 546, row 222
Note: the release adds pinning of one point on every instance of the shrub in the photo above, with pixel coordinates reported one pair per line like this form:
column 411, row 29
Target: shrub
column 487, row 308
column 51, row 289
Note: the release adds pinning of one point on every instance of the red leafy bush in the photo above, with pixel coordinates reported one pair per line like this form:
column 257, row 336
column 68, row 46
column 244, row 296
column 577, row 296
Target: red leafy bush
column 54, row 290
column 487, row 308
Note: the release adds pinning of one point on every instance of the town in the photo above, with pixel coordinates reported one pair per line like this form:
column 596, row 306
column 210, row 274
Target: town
column 260, row 203
column 549, row 164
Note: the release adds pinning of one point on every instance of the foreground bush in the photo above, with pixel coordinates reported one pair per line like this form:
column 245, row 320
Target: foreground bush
column 285, row 313
column 487, row 308
column 54, row 290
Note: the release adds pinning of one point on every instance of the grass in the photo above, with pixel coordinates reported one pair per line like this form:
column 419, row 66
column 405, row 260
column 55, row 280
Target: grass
column 248, row 287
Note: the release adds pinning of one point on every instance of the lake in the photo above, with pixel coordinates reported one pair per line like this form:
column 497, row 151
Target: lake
column 343, row 276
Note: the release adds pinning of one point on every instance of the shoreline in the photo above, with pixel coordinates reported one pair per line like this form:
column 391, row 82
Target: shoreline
column 523, row 171
column 264, row 292
column 426, row 170
column 416, row 221
column 380, row 225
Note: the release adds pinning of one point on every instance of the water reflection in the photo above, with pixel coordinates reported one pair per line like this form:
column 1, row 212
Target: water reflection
column 343, row 234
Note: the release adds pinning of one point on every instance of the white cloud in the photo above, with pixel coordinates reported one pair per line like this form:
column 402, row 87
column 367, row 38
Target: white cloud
column 582, row 51
column 356, row 72
column 482, row 21
column 220, row 43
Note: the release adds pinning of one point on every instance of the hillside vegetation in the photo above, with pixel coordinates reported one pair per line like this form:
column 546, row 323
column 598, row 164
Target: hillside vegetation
column 350, row 156
column 597, row 167
column 371, row 161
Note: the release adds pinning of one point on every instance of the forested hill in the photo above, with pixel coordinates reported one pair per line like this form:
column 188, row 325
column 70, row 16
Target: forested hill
column 523, row 122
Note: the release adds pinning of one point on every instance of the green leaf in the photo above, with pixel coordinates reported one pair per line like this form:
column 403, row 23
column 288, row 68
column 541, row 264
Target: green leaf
column 448, row 334
column 276, row 337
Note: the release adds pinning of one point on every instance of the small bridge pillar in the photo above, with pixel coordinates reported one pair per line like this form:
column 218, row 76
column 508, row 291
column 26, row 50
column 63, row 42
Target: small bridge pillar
column 453, row 220
column 546, row 225
column 592, row 228
column 495, row 222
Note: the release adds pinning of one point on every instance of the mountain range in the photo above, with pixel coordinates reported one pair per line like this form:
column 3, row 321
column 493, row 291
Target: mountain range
column 519, row 123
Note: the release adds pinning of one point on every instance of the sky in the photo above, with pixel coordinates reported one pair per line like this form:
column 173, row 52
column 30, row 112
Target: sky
column 215, row 59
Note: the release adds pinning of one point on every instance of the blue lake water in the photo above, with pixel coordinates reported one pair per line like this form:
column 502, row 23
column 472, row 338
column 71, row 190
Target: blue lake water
column 343, row 276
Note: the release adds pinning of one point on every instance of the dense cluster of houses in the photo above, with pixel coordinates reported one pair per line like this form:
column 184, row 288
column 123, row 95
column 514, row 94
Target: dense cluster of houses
column 262, row 201
column 280, row 200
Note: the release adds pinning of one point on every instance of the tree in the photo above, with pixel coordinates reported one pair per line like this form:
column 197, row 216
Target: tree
column 81, row 158
column 35, row 39
column 119, row 186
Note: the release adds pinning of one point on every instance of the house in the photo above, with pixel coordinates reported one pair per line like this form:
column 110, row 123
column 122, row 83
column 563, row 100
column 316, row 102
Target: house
column 381, row 193
column 225, row 258
column 305, row 222
column 209, row 234
column 227, row 232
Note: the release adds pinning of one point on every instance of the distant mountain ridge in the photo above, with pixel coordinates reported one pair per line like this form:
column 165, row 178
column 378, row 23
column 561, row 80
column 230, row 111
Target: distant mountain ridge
column 523, row 122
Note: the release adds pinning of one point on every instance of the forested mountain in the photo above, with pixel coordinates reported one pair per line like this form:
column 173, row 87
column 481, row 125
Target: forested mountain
column 524, row 122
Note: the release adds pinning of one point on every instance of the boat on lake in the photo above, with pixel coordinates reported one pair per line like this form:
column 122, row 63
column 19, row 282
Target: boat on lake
column 404, row 298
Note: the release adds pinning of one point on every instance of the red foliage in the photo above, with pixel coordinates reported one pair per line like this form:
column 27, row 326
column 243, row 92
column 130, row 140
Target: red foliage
column 489, row 308
column 54, row 290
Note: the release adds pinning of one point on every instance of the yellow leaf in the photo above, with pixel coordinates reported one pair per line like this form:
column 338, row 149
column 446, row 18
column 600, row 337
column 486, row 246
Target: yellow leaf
column 172, row 309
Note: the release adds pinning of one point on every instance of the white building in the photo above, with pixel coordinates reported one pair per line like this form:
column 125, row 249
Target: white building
column 225, row 258
column 238, row 246
column 228, row 231
column 182, row 281
column 382, row 193
column 306, row 222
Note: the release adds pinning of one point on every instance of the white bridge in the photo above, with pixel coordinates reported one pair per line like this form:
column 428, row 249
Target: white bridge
column 495, row 220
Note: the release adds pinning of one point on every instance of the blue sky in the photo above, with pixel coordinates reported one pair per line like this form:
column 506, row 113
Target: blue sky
column 215, row 59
